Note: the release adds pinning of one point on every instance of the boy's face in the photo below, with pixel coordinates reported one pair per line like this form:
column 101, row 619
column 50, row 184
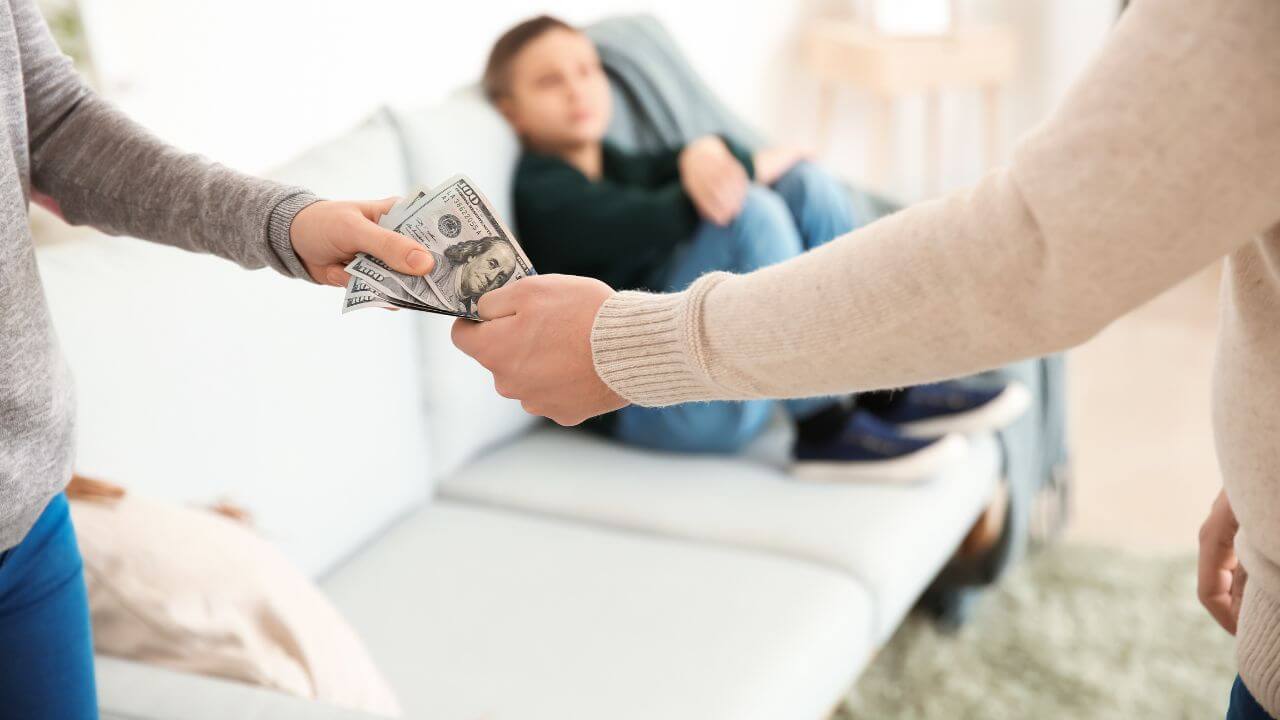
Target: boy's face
column 559, row 97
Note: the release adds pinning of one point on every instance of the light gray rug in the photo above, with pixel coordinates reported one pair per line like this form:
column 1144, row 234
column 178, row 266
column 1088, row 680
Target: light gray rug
column 1074, row 633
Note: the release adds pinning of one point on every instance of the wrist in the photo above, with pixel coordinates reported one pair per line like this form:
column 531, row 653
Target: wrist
column 280, row 231
column 644, row 346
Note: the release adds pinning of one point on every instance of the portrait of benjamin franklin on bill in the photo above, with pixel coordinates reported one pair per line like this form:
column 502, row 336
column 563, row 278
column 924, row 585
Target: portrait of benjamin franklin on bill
column 472, row 268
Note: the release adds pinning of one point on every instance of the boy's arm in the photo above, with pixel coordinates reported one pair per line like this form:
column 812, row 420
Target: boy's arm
column 742, row 155
column 657, row 168
column 716, row 174
column 664, row 165
column 601, row 223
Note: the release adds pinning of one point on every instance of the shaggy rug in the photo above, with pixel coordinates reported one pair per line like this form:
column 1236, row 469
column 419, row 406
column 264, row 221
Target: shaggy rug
column 1075, row 632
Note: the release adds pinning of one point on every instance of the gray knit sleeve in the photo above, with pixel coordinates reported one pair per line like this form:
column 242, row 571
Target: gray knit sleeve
column 105, row 170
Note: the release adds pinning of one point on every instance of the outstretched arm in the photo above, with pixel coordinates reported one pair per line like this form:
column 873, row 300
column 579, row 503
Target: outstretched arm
column 1161, row 159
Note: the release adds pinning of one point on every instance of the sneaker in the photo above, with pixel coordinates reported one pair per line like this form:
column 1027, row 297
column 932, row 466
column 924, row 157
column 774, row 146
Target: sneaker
column 869, row 449
column 953, row 407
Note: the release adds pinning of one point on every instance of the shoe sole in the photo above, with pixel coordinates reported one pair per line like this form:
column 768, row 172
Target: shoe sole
column 917, row 466
column 1000, row 412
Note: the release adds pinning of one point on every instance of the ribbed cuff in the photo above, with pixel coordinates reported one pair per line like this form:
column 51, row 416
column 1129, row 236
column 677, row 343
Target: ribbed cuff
column 278, row 238
column 1258, row 645
column 647, row 347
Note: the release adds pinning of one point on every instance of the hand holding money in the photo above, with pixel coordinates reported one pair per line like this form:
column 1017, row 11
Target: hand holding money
column 537, row 344
column 325, row 234
column 472, row 250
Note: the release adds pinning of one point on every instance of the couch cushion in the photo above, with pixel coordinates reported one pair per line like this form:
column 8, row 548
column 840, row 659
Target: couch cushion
column 462, row 134
column 197, row 380
column 892, row 538
column 476, row 613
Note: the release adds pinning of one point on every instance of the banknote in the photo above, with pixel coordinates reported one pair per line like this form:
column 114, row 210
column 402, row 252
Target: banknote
column 382, row 278
column 474, row 253
column 361, row 295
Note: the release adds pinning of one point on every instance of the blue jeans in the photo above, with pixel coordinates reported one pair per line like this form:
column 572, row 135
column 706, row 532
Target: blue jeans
column 804, row 209
column 1243, row 706
column 46, row 648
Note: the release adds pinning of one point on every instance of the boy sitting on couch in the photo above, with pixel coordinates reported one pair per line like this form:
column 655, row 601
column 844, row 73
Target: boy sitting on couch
column 659, row 221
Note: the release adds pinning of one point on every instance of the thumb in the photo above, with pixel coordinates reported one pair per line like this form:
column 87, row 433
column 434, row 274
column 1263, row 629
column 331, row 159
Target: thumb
column 499, row 303
column 400, row 253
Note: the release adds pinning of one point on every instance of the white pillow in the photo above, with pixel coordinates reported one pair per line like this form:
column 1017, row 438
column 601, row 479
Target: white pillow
column 194, row 591
column 462, row 134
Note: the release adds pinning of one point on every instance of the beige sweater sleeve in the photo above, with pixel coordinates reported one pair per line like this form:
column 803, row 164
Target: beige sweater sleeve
column 1163, row 157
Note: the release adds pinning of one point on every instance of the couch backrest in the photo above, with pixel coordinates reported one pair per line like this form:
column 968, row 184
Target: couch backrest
column 198, row 381
column 462, row 134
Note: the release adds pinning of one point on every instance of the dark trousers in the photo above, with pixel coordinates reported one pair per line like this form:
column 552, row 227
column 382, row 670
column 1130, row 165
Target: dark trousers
column 1243, row 706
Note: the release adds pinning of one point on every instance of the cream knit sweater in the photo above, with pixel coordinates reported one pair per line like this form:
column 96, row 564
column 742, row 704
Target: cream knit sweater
column 1164, row 157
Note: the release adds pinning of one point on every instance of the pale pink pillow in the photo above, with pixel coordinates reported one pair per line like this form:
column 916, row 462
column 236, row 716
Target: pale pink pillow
column 195, row 591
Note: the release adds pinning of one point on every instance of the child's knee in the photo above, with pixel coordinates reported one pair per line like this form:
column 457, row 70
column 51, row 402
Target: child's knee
column 765, row 232
column 811, row 180
column 763, row 207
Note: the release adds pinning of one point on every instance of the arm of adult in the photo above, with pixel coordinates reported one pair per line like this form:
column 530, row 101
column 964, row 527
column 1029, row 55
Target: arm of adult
column 102, row 169
column 1161, row 159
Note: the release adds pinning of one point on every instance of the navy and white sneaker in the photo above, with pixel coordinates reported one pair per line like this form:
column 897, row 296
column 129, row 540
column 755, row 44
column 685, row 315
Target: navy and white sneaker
column 869, row 449
column 951, row 407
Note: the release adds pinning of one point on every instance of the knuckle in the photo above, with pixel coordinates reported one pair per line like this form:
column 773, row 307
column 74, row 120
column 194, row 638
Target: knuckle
column 460, row 337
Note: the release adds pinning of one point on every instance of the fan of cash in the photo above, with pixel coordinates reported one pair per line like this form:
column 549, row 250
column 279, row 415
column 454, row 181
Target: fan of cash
column 473, row 250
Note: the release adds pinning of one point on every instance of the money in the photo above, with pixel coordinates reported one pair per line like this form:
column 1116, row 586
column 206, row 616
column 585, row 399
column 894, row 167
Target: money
column 474, row 253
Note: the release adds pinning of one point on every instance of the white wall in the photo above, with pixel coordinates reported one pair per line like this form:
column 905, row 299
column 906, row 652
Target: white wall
column 252, row 82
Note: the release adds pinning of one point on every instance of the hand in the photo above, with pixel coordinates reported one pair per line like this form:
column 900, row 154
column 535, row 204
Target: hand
column 1221, row 579
column 772, row 163
column 537, row 344
column 714, row 179
column 327, row 234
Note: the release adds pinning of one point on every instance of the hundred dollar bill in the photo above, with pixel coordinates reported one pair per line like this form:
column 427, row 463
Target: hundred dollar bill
column 397, row 211
column 474, row 251
column 361, row 295
column 361, row 301
column 386, row 281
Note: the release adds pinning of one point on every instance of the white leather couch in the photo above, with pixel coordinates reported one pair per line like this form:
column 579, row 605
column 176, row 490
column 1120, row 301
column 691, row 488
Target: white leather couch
column 496, row 567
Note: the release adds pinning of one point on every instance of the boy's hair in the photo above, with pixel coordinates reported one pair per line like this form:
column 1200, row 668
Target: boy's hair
column 497, row 72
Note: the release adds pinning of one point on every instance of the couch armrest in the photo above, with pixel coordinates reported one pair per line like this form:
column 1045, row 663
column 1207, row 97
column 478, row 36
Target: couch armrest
column 133, row 691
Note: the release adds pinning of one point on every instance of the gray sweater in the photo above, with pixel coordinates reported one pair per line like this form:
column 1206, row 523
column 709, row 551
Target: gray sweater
column 102, row 169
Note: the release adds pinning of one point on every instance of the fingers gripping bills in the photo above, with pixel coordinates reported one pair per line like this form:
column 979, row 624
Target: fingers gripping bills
column 473, row 250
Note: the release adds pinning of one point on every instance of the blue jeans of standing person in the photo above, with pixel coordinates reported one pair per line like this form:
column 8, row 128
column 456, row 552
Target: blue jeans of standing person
column 1243, row 706
column 46, row 648
column 804, row 209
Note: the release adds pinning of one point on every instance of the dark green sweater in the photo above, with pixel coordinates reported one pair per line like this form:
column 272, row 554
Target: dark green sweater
column 620, row 229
